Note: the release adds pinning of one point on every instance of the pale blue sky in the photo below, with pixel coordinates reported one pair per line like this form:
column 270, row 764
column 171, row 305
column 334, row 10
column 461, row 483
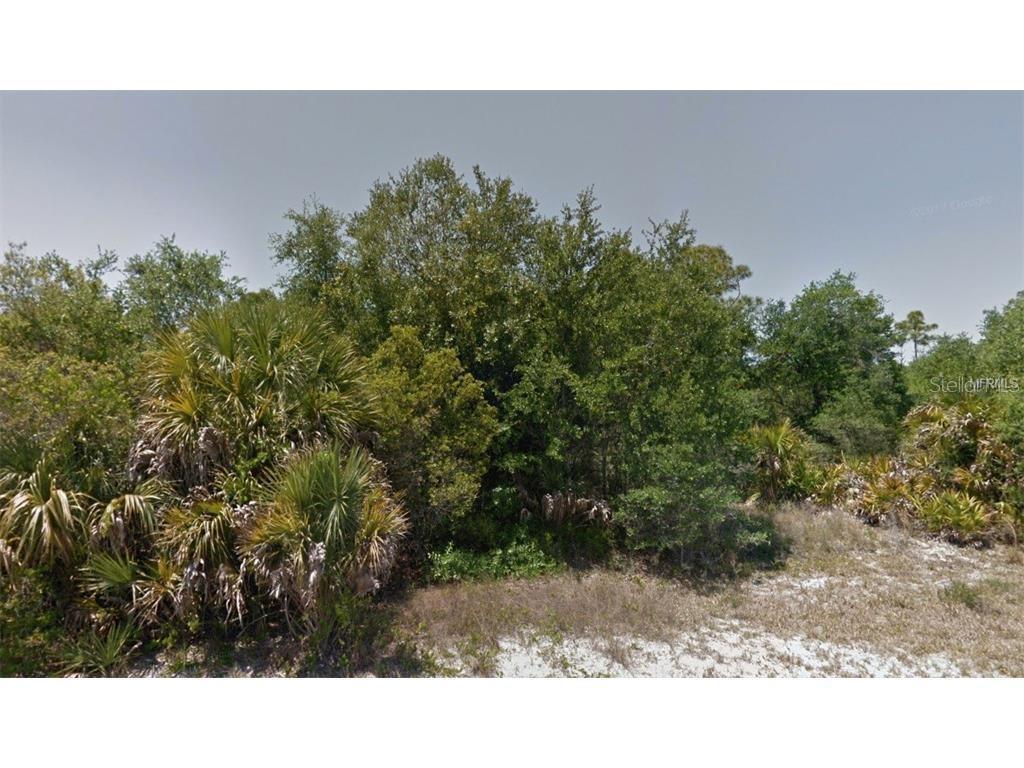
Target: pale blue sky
column 919, row 193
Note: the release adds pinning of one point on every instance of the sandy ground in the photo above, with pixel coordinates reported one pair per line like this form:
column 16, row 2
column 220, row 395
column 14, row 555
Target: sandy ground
column 731, row 650
column 850, row 601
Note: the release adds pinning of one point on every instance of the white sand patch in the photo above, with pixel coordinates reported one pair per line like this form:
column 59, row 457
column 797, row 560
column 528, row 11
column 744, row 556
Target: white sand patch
column 731, row 650
column 806, row 587
column 943, row 552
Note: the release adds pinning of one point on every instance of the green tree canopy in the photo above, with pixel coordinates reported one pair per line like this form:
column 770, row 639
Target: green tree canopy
column 434, row 422
column 166, row 286
column 827, row 357
column 48, row 304
column 1001, row 349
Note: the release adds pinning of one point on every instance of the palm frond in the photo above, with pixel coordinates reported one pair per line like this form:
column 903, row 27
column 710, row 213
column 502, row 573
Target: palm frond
column 109, row 575
column 199, row 534
column 43, row 522
column 129, row 514
column 382, row 525
column 101, row 654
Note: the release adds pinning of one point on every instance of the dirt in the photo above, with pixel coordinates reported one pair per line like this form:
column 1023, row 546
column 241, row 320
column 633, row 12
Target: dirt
column 851, row 600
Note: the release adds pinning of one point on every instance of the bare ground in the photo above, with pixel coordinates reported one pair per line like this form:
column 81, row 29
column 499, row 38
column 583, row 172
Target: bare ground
column 851, row 600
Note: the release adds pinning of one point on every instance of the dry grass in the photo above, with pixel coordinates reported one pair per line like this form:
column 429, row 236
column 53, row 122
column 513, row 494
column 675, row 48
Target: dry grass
column 844, row 583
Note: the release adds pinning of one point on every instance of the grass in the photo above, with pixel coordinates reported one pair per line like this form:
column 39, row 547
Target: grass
column 844, row 583
column 964, row 594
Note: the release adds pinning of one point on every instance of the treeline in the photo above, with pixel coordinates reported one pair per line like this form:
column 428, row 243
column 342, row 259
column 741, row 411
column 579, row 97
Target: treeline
column 447, row 384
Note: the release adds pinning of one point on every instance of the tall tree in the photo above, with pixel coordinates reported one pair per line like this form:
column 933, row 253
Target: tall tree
column 814, row 354
column 311, row 250
column 432, row 250
column 1002, row 339
column 915, row 330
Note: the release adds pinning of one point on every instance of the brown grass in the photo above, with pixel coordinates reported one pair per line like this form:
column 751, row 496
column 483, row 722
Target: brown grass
column 844, row 583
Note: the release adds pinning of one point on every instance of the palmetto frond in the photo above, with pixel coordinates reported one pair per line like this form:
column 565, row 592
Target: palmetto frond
column 382, row 525
column 198, row 534
column 158, row 592
column 101, row 654
column 41, row 522
column 780, row 455
column 325, row 487
column 957, row 515
column 129, row 514
column 111, row 576
column 170, row 362
column 328, row 522
column 260, row 379
column 274, row 547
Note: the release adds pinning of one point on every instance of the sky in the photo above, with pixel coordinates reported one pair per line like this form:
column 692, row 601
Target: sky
column 920, row 194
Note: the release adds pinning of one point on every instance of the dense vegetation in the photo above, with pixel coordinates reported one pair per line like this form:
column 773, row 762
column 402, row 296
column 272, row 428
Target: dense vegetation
column 450, row 385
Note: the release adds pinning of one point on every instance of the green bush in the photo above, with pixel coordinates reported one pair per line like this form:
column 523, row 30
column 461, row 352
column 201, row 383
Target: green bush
column 101, row 653
column 30, row 626
column 957, row 515
column 435, row 426
column 77, row 413
column 782, row 463
column 864, row 418
column 700, row 523
column 523, row 558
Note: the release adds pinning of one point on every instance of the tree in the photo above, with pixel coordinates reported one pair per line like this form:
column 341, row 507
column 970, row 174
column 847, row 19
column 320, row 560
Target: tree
column 637, row 372
column 810, row 350
column 915, row 330
column 949, row 359
column 431, row 251
column 48, row 304
column 1001, row 349
column 864, row 418
column 75, row 412
column 435, row 426
column 311, row 250
column 166, row 286
column 826, row 362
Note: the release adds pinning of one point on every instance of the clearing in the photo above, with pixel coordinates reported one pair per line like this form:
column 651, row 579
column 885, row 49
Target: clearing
column 851, row 600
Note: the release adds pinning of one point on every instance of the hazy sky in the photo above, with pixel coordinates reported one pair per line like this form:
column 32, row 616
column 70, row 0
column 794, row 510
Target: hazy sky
column 920, row 194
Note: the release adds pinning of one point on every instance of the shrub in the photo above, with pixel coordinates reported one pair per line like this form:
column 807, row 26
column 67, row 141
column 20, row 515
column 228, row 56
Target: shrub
column 41, row 523
column 30, row 628
column 522, row 558
column 101, row 653
column 833, row 485
column 330, row 526
column 864, row 418
column 957, row 515
column 884, row 491
column 434, row 423
column 782, row 466
column 77, row 413
column 241, row 389
column 959, row 473
column 704, row 529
